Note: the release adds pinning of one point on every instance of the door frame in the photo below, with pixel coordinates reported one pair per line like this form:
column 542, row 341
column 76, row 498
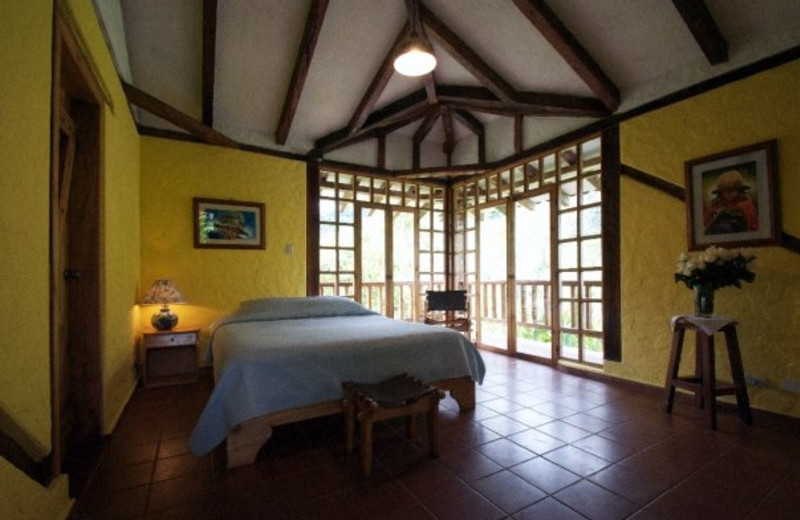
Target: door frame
column 77, row 92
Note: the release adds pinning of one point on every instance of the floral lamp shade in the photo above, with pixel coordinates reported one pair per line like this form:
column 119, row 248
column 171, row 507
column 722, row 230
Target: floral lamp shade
column 164, row 292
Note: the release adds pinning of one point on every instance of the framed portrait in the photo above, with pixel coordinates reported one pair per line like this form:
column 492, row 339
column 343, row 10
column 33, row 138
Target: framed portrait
column 229, row 224
column 732, row 198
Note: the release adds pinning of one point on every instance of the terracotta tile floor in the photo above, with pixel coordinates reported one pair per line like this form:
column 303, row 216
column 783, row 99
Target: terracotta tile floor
column 540, row 444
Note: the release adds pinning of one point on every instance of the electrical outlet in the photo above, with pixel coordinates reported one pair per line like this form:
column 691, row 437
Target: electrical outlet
column 791, row 386
column 288, row 249
column 755, row 381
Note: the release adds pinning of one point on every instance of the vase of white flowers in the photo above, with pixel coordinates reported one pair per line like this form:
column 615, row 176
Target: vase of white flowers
column 713, row 269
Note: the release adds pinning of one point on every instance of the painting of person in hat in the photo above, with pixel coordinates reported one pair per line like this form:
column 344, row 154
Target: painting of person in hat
column 731, row 209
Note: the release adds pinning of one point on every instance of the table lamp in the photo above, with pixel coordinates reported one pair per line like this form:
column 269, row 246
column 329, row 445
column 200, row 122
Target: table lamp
column 163, row 292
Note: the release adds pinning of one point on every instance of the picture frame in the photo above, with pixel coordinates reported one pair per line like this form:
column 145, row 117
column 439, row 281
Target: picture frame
column 228, row 224
column 732, row 197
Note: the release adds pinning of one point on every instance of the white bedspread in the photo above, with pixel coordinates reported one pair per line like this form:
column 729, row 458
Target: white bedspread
column 267, row 361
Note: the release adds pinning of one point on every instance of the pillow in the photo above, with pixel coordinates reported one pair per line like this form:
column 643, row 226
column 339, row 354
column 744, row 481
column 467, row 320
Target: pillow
column 290, row 308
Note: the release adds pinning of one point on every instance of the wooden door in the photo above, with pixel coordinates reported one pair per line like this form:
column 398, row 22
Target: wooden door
column 76, row 257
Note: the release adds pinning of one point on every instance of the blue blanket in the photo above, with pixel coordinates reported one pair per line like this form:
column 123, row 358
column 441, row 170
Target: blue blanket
column 283, row 353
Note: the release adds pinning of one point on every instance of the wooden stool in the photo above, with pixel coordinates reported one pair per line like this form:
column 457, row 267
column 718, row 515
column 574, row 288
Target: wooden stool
column 399, row 396
column 704, row 383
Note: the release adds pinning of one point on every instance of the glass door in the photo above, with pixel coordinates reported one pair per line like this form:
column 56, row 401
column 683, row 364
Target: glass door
column 371, row 256
column 533, row 276
column 492, row 313
column 404, row 265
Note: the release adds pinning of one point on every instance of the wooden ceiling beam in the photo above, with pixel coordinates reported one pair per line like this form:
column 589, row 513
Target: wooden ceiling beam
column 449, row 137
column 467, row 57
column 470, row 121
column 378, row 84
column 528, row 103
column 430, row 88
column 425, row 128
column 562, row 40
column 389, row 118
column 698, row 19
column 168, row 113
column 314, row 20
column 209, row 59
column 519, row 120
column 422, row 132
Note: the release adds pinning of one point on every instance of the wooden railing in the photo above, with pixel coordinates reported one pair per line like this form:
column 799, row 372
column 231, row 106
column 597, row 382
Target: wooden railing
column 533, row 300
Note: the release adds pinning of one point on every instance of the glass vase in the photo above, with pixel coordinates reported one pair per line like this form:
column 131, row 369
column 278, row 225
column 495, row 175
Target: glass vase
column 703, row 300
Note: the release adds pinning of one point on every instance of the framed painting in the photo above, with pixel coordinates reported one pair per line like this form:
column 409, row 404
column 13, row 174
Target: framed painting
column 229, row 224
column 732, row 198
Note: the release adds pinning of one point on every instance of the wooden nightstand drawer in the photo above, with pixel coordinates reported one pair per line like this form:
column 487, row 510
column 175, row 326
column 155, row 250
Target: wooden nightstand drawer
column 169, row 357
column 170, row 340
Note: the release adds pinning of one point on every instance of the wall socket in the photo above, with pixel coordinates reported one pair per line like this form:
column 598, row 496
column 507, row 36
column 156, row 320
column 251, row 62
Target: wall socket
column 791, row 385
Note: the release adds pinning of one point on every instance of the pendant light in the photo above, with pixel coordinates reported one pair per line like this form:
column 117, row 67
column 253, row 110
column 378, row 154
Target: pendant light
column 415, row 57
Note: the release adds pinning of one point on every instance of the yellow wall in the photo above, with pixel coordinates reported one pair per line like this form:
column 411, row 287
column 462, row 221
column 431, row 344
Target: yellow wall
column 25, row 58
column 216, row 280
column 762, row 107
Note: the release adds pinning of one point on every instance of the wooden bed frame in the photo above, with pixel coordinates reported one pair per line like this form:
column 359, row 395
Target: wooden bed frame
column 244, row 442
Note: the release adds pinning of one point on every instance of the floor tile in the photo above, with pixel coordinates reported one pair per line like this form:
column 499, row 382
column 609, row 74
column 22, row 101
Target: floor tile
column 595, row 503
column 508, row 491
column 540, row 444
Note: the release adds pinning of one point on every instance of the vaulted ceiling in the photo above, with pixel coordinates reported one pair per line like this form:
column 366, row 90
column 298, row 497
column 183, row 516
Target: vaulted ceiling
column 314, row 77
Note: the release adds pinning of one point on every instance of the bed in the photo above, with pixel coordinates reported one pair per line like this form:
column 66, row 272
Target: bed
column 282, row 360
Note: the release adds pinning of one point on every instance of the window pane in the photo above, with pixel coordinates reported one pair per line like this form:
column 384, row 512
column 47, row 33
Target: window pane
column 568, row 195
column 438, row 242
column 411, row 196
column 471, row 240
column 590, row 189
column 519, row 179
column 438, row 199
column 591, row 253
column 345, row 186
column 346, row 212
column 438, row 220
column 470, row 194
column 363, row 189
column 590, row 155
column 327, row 235
column 590, row 221
column 592, row 284
column 347, row 285
column 569, row 345
column 424, row 220
column 471, row 219
column 568, row 255
column 568, row 225
column 568, row 286
column 327, row 210
column 438, row 262
column 327, row 259
column 593, row 349
column 568, row 314
column 424, row 241
column 347, row 260
column 482, row 190
column 533, row 171
column 593, row 316
column 378, row 191
column 569, row 163
column 493, row 187
column 505, row 184
column 395, row 193
column 549, row 169
column 347, row 236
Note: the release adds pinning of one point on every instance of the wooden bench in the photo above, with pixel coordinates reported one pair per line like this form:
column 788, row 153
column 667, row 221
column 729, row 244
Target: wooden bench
column 399, row 396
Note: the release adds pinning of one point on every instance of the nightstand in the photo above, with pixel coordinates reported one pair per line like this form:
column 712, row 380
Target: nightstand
column 169, row 357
